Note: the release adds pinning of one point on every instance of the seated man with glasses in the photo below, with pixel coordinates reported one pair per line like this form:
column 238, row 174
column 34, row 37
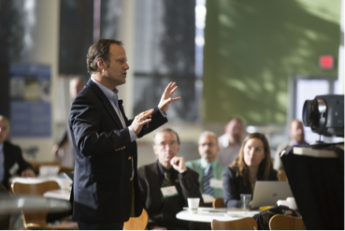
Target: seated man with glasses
column 167, row 183
column 209, row 169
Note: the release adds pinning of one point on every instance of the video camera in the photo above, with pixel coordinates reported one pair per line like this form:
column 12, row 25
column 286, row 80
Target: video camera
column 325, row 115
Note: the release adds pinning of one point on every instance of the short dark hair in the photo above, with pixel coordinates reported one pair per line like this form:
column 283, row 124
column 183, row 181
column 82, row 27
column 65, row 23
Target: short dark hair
column 99, row 50
column 168, row 130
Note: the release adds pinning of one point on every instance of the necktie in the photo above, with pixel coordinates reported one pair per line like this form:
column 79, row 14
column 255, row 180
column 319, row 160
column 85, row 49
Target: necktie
column 115, row 102
column 166, row 182
column 206, row 182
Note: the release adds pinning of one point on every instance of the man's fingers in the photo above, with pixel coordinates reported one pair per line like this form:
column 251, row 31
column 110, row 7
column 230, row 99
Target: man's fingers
column 167, row 87
column 171, row 100
column 173, row 90
column 144, row 121
column 148, row 112
column 175, row 99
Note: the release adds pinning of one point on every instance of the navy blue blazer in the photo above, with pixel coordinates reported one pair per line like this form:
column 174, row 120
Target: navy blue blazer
column 14, row 162
column 103, row 163
column 233, row 186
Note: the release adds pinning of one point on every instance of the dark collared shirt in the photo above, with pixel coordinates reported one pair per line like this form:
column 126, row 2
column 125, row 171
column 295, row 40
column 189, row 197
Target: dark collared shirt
column 173, row 173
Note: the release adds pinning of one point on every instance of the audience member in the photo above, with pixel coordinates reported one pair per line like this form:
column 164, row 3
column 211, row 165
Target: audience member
column 296, row 133
column 11, row 159
column 254, row 163
column 230, row 142
column 169, row 172
column 209, row 170
column 66, row 157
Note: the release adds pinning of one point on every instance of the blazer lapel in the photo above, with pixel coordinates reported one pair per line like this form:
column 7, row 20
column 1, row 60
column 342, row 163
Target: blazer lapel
column 105, row 102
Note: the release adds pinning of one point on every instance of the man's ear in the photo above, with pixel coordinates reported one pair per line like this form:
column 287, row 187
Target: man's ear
column 101, row 63
column 155, row 149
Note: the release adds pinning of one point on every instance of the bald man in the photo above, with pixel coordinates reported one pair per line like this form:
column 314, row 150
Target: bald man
column 230, row 142
column 11, row 159
column 296, row 133
column 209, row 170
column 63, row 149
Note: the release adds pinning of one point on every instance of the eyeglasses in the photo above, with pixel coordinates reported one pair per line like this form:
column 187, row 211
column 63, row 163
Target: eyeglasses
column 164, row 144
column 207, row 144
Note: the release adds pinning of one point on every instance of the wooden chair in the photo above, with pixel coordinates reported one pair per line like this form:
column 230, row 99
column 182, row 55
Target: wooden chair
column 247, row 223
column 38, row 220
column 282, row 176
column 218, row 203
column 281, row 222
column 137, row 223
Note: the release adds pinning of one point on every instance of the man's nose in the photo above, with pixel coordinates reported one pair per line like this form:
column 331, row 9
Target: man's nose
column 126, row 66
column 167, row 147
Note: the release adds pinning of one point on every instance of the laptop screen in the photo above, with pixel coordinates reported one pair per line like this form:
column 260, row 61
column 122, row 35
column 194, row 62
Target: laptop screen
column 267, row 193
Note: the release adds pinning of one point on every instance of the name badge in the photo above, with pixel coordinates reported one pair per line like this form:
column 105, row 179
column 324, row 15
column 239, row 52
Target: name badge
column 14, row 168
column 169, row 191
column 215, row 183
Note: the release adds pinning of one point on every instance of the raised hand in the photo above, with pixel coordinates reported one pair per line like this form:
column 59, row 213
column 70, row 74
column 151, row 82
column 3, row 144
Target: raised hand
column 140, row 120
column 167, row 97
column 178, row 164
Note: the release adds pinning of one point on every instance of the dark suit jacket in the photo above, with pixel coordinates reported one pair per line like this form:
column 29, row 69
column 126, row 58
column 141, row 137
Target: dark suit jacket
column 233, row 186
column 162, row 211
column 13, row 155
column 104, row 153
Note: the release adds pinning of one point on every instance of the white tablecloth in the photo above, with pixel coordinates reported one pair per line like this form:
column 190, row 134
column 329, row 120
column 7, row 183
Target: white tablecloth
column 208, row 214
column 58, row 194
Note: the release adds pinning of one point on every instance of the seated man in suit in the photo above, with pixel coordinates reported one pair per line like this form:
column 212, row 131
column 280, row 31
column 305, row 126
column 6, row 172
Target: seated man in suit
column 11, row 159
column 169, row 172
column 209, row 169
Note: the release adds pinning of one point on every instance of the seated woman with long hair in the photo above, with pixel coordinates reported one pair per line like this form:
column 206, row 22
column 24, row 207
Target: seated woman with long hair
column 253, row 163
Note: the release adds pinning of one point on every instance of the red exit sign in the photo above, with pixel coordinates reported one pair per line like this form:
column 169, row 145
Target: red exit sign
column 326, row 62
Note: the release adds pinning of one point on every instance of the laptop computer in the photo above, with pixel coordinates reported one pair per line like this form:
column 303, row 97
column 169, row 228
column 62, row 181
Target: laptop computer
column 267, row 193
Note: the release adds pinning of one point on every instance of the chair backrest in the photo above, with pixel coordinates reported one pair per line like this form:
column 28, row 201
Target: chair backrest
column 137, row 223
column 281, row 222
column 282, row 175
column 34, row 189
column 218, row 203
column 247, row 223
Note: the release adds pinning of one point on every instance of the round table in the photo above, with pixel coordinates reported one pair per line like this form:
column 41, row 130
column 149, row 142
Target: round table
column 26, row 203
column 208, row 214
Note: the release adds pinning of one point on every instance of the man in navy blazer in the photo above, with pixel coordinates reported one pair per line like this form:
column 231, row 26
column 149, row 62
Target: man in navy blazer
column 11, row 158
column 106, row 191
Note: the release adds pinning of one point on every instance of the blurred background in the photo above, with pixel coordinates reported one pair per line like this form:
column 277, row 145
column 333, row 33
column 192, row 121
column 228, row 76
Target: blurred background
column 255, row 60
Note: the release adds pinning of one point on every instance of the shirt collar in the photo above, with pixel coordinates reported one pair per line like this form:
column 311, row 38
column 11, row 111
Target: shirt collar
column 108, row 93
column 1, row 147
column 162, row 169
column 205, row 164
column 294, row 142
